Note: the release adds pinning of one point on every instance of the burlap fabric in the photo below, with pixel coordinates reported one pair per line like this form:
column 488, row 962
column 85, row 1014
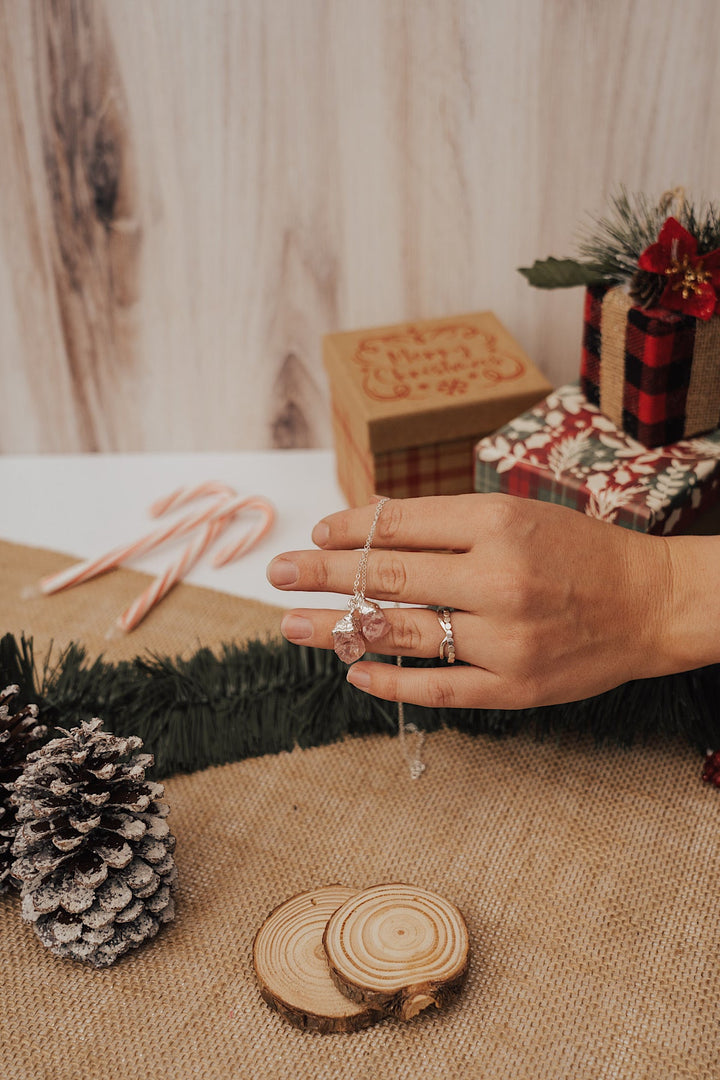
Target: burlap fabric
column 186, row 619
column 588, row 877
column 615, row 307
column 703, row 399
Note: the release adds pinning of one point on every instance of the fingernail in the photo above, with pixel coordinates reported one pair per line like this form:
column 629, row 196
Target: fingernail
column 295, row 628
column 282, row 572
column 358, row 677
column 321, row 534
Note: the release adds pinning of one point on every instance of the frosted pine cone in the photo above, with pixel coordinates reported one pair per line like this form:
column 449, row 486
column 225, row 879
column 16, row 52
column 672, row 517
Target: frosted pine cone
column 93, row 852
column 19, row 733
column 646, row 288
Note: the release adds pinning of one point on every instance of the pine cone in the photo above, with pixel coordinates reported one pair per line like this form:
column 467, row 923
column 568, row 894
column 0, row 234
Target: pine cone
column 19, row 733
column 93, row 852
column 646, row 288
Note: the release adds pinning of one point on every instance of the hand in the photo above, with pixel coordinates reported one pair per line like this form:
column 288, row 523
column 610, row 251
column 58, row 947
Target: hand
column 550, row 605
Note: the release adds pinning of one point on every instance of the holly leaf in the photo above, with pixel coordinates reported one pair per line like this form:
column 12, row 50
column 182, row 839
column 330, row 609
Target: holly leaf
column 563, row 274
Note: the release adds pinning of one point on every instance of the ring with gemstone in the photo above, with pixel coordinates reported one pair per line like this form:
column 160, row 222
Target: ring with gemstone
column 447, row 645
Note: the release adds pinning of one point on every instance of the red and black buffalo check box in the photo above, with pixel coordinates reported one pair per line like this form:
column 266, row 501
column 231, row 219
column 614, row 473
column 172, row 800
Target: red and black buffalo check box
column 409, row 402
column 566, row 451
column 655, row 373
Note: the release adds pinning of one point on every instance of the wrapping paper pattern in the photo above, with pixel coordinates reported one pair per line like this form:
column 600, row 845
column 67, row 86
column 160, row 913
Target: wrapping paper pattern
column 438, row 468
column 566, row 451
column 655, row 374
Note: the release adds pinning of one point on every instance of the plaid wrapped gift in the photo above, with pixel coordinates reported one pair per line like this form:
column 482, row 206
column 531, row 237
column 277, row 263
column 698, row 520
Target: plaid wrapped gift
column 409, row 402
column 566, row 451
column 655, row 373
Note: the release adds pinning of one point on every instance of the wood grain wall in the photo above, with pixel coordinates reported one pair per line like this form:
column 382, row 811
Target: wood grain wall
column 193, row 191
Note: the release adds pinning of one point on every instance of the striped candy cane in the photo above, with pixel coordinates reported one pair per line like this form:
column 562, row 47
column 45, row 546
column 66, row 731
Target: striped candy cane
column 183, row 495
column 210, row 523
column 90, row 568
column 162, row 584
column 195, row 550
column 253, row 536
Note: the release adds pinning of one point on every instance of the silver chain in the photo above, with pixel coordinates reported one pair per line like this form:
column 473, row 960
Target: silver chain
column 360, row 582
column 414, row 760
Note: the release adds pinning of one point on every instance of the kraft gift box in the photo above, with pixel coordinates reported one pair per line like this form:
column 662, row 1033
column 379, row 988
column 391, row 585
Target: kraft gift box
column 410, row 401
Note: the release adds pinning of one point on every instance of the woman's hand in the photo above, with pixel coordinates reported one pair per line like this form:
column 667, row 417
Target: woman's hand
column 550, row 605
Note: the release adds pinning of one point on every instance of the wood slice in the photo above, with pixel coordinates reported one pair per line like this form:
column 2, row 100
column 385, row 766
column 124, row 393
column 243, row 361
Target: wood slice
column 398, row 948
column 292, row 969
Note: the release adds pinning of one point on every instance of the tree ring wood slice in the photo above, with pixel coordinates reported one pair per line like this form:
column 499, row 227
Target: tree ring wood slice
column 399, row 948
column 292, row 969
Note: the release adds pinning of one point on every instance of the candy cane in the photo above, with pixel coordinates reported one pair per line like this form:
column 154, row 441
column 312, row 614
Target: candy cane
column 90, row 568
column 213, row 520
column 183, row 495
column 162, row 584
column 253, row 536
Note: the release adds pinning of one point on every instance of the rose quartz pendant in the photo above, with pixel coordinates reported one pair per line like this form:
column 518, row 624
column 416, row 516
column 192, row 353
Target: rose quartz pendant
column 348, row 642
column 373, row 623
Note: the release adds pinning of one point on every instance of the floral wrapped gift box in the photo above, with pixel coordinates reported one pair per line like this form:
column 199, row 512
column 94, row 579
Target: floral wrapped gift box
column 566, row 451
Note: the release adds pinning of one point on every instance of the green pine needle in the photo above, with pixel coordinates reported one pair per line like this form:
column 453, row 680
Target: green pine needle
column 612, row 244
column 271, row 696
column 615, row 242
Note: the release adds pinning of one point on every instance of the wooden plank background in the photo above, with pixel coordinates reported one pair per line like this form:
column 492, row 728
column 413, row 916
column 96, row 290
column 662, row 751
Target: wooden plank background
column 193, row 191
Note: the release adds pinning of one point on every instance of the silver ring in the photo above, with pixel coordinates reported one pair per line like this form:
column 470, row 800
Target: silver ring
column 447, row 645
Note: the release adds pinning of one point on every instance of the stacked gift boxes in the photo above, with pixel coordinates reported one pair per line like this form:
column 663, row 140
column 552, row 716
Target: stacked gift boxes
column 637, row 442
column 566, row 451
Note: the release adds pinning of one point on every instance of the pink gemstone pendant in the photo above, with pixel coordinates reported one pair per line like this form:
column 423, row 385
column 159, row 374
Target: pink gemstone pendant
column 348, row 642
column 373, row 622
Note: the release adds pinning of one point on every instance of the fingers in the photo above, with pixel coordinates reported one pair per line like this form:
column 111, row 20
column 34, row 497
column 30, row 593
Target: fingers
column 435, row 523
column 407, row 577
column 413, row 632
column 437, row 688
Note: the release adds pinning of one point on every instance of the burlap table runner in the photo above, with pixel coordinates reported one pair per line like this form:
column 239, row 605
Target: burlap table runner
column 186, row 619
column 588, row 877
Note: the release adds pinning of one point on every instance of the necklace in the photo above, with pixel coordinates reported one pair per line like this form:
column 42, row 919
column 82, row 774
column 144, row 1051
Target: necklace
column 414, row 759
column 366, row 622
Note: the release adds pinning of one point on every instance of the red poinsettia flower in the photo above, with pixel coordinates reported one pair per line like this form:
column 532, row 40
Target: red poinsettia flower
column 693, row 280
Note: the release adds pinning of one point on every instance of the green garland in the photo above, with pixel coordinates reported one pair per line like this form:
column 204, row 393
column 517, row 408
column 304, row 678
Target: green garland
column 265, row 697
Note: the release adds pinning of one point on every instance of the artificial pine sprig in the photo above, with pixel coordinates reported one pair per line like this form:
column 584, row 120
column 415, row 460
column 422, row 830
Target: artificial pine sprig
column 616, row 241
column 612, row 245
column 704, row 224
column 265, row 697
column 20, row 733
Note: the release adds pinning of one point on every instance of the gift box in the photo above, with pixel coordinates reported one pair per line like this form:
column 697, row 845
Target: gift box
column 566, row 451
column 410, row 401
column 655, row 373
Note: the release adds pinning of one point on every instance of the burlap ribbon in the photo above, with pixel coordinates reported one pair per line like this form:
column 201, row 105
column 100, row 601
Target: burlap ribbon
column 613, row 324
column 587, row 874
column 702, row 406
